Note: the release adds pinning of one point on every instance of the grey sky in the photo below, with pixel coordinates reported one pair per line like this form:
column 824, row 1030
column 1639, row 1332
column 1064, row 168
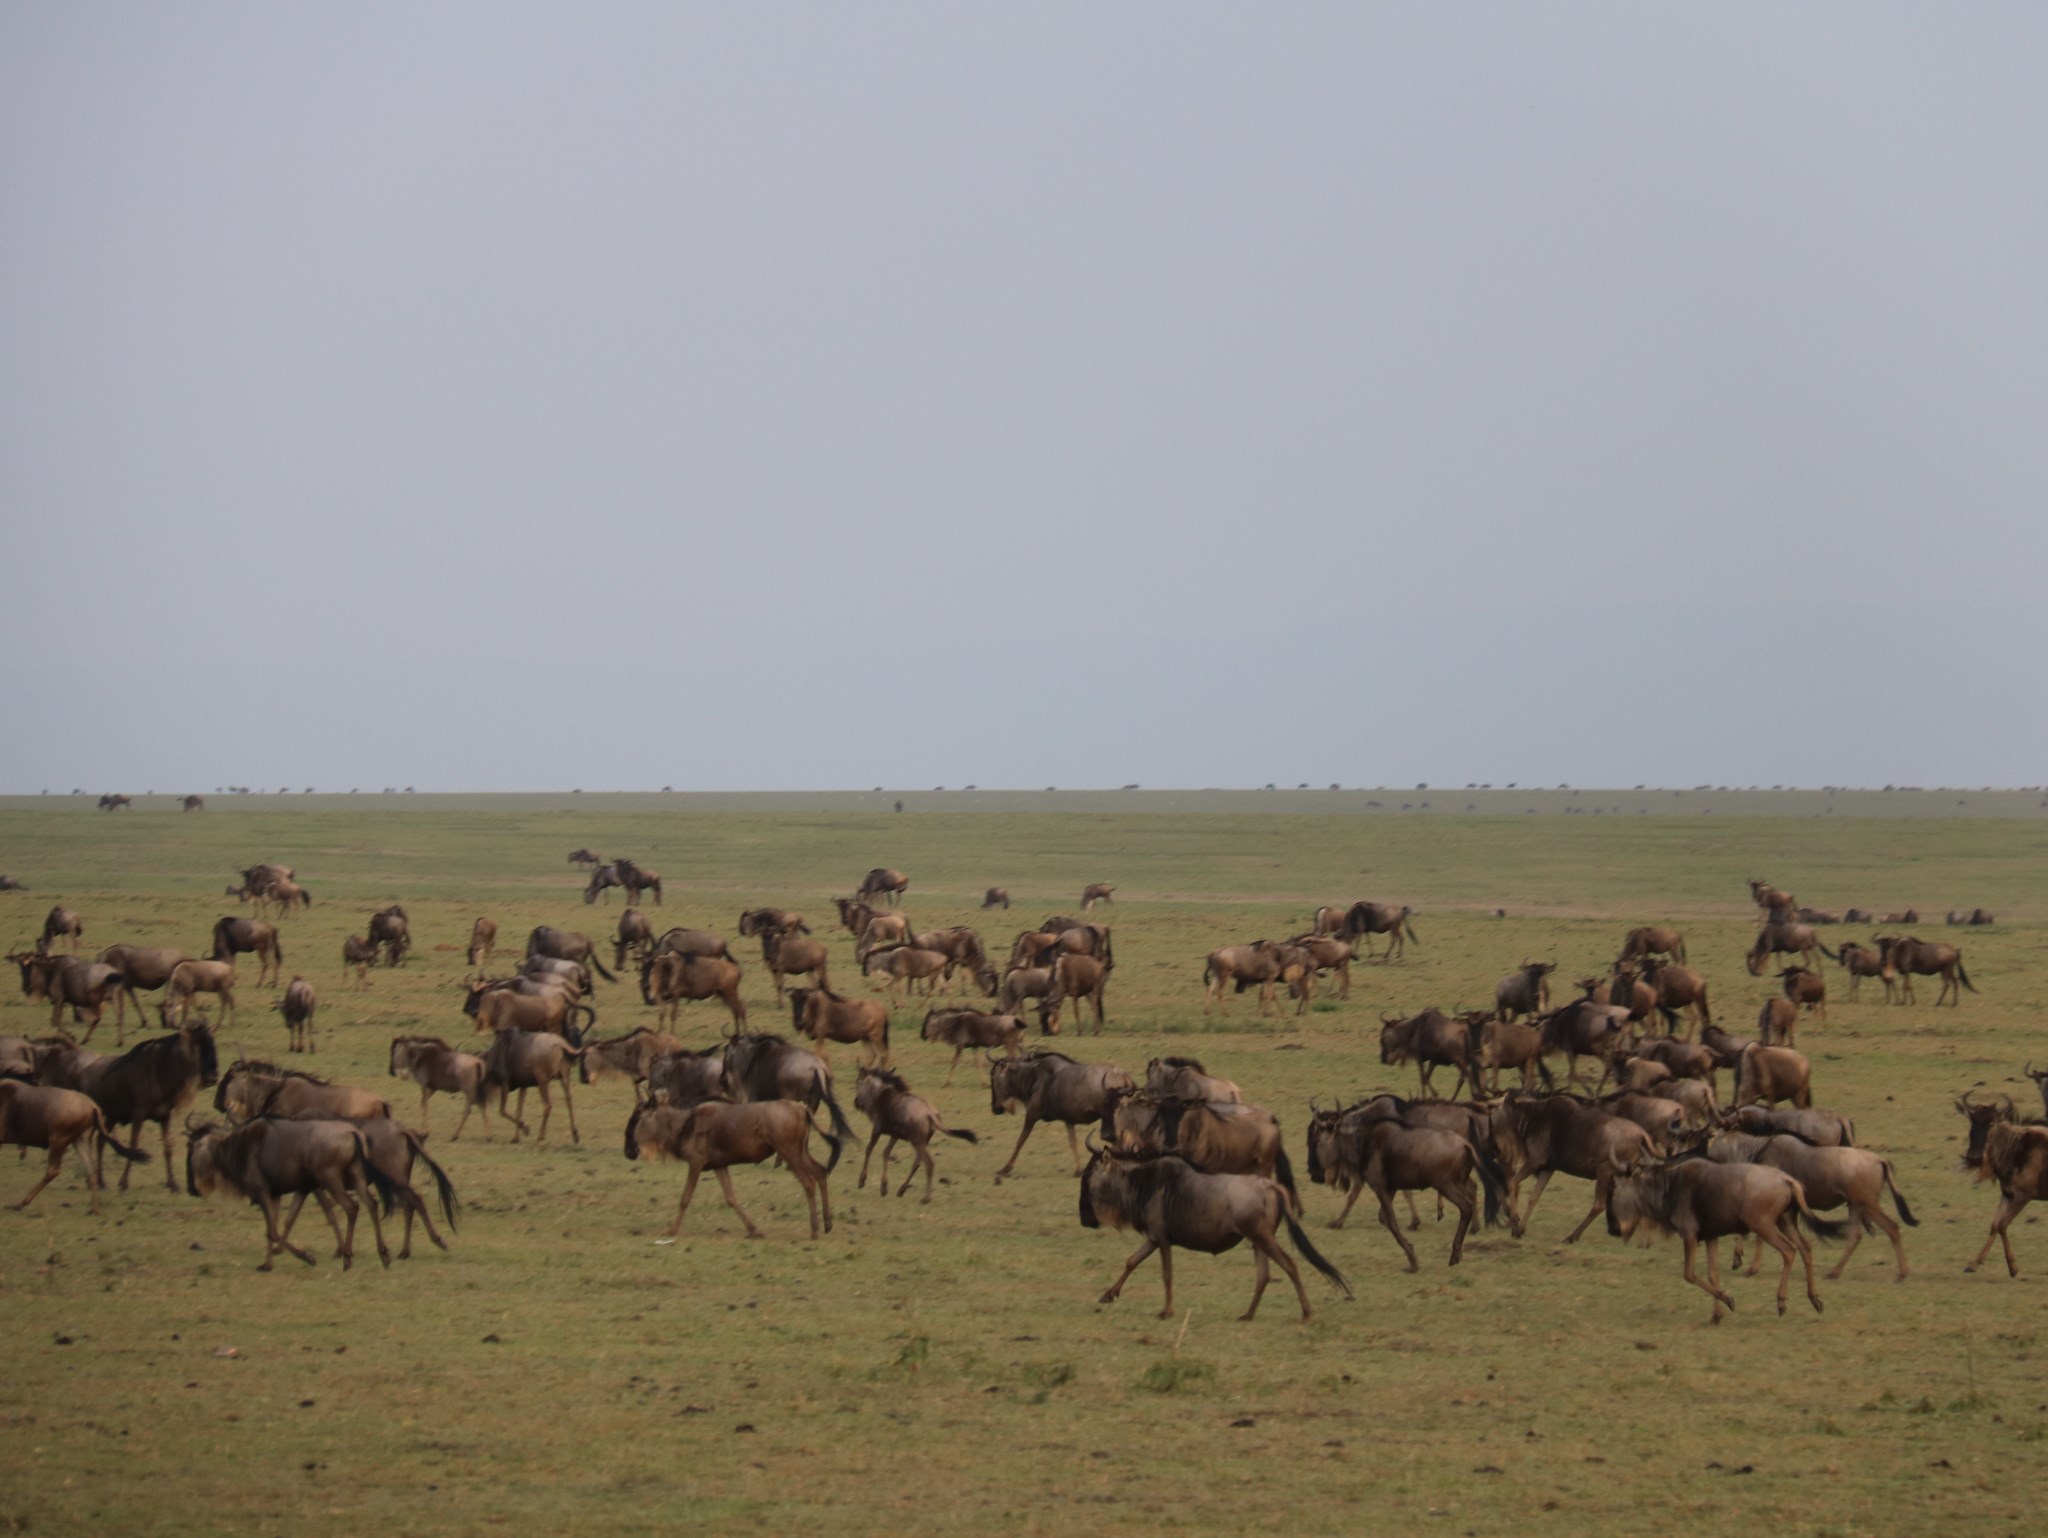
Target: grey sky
column 507, row 396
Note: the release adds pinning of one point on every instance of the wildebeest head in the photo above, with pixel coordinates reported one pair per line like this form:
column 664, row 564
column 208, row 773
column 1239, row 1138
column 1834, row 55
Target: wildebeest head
column 1984, row 1115
column 1396, row 1036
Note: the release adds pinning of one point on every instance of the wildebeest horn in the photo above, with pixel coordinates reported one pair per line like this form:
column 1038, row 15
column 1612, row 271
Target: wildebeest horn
column 194, row 1122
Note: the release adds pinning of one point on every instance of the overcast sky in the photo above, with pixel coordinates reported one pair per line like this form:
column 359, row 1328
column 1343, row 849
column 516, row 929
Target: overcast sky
column 507, row 396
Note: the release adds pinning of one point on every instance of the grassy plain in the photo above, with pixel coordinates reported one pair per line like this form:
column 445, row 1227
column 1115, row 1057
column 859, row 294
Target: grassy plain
column 945, row 1368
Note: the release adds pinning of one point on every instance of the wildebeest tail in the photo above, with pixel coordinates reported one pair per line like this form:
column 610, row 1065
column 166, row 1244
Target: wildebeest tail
column 1493, row 1180
column 381, row 1185
column 1826, row 952
column 442, row 1183
column 1823, row 1228
column 598, row 967
column 1963, row 977
column 137, row 1156
column 1408, row 924
column 1314, row 1256
column 1891, row 1180
column 841, row 1133
column 967, row 1136
column 1283, row 1171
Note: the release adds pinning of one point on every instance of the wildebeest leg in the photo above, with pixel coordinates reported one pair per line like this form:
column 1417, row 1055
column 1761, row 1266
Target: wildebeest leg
column 50, row 1173
column 862, row 1183
column 931, row 1169
column 170, row 1180
column 1137, row 1259
column 569, row 1105
column 950, row 1067
column 732, row 1200
column 274, row 1239
column 2007, row 1211
column 1030, row 1121
column 1414, row 1217
column 1262, row 1273
column 1856, row 1232
column 810, row 1177
column 1074, row 1147
column 1462, row 1199
column 1393, row 1226
column 1600, row 1189
column 1535, row 1196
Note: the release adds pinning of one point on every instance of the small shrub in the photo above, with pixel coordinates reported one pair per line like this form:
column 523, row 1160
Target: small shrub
column 1176, row 1377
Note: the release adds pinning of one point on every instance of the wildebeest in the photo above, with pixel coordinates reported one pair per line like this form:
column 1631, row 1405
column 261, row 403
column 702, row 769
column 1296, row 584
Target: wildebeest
column 83, row 987
column 1861, row 962
column 1172, row 1203
column 143, row 968
column 854, row 915
column 264, row 1160
column 193, row 804
column 632, row 1055
column 585, row 857
column 1955, row 918
column 1364, row 919
column 1816, row 916
column 113, row 803
column 716, row 1135
column 1524, row 991
column 882, row 929
column 1695, row 1096
column 963, row 949
column 788, row 954
column 686, row 1078
column 759, row 1065
column 1776, row 906
column 1582, row 1028
column 1654, row 940
column 1766, row 1075
column 602, row 880
column 900, row 1115
column 1785, row 939
column 996, row 897
column 390, row 929
column 1678, row 988
column 37, row 1116
column 1510, row 1044
column 251, row 1088
column 524, row 1060
column 2040, row 1082
column 1355, row 1150
column 1910, row 916
column 298, row 1006
column 637, row 879
column 438, row 1068
column 1808, row 990
column 767, row 921
column 694, row 942
column 232, row 937
column 1032, row 947
column 2014, row 1156
column 483, row 940
column 1544, row 1135
column 1096, row 892
column 1188, row 1079
column 1823, row 1129
column 1979, row 916
column 1080, row 978
column 189, row 978
column 1220, row 1137
column 57, row 924
column 1777, row 1022
column 360, row 954
column 1831, row 1177
column 635, row 938
column 966, row 1029
column 552, row 1010
column 1050, row 1086
column 1327, row 953
column 286, row 896
column 879, row 882
column 1857, row 916
column 1257, row 965
column 1698, row 1200
column 151, row 1081
column 1429, row 1040
column 824, row 1016
column 904, row 966
column 567, row 945
column 1910, row 956
column 14, row 884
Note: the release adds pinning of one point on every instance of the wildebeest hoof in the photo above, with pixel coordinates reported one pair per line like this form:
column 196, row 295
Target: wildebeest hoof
column 1968, row 1269
column 1107, row 1297
column 1334, row 1223
column 1166, row 1313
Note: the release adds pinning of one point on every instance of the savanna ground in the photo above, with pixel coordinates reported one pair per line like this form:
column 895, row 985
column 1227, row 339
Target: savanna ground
column 946, row 1368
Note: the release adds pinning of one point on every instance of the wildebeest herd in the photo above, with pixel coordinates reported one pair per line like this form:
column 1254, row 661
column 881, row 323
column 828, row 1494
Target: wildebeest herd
column 1176, row 1154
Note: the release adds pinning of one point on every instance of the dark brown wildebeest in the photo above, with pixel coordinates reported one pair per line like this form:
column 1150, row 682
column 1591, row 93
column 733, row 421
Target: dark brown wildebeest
column 483, row 940
column 264, row 1160
column 1664, row 1119
column 391, row 929
column 1980, row 916
column 60, row 922
column 1776, row 906
column 1687, row 1059
column 1050, row 1086
column 635, row 938
column 250, row 1089
column 1910, row 916
column 360, row 954
column 637, row 879
column 905, row 966
column 1678, row 988
column 1097, row 892
column 1187, row 1079
column 1777, row 1022
column 632, row 1056
column 586, row 857
column 716, row 1135
column 1816, row 916
column 1364, row 919
column 1698, row 1200
column 1510, row 1044
column 824, row 1016
column 1823, row 1129
column 1654, row 940
column 567, row 945
column 1584, row 1029
column 1785, row 939
column 688, row 1078
column 1808, row 990
column 1624, row 986
column 57, row 1062
column 298, row 1006
column 1861, row 962
column 500, row 1009
column 82, row 987
column 878, row 882
column 113, row 803
column 1725, row 1047
column 151, row 1081
column 525, row 1060
column 1857, row 916
column 882, row 929
column 996, row 897
column 762, row 1066
column 1545, row 1135
column 1257, row 965
column 2014, row 1156
column 232, row 937
column 1383, row 1153
column 1080, row 978
column 143, row 968
column 789, row 954
column 438, row 1068
column 193, row 804
column 1172, row 1203
column 1021, row 983
column 1430, row 1040
column 35, row 1116
column 768, row 921
column 694, row 942
column 854, row 915
column 1910, row 956
column 1524, row 991
column 1766, row 1075
column 602, row 880
column 195, row 977
column 1831, row 1177
column 900, row 1116
column 12, row 884
column 966, row 1029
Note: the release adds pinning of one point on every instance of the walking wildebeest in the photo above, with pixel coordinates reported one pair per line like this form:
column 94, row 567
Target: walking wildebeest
column 1364, row 919
column 113, row 803
column 1050, row 1086
column 151, row 1081
column 83, row 987
column 1678, row 988
column 883, row 929
column 824, row 1016
column 633, row 1055
column 1861, row 962
column 524, row 1060
column 289, row 895
column 438, row 1068
column 904, row 966
column 1327, row 953
column 193, row 804
column 1080, row 978
column 1785, row 939
column 879, row 882
column 1385, row 1154
column 1584, row 1029
column 635, row 938
column 585, row 857
column 60, row 922
column 900, row 1116
column 263, row 1160
column 1544, row 1135
column 1021, row 983
column 360, row 954
column 668, row 979
column 762, row 1066
column 1910, row 956
column 1654, row 940
column 1219, row 1137
column 1831, row 1177
column 854, row 915
column 1524, row 991
column 37, row 1116
column 1767, row 1075
column 768, row 921
column 1246, row 966
column 1776, row 906
column 637, row 879
column 392, row 930
column 602, row 880
column 715, row 1135
column 251, row 1088
column 788, row 954
column 1511, row 1044
column 2014, row 1156
column 195, row 977
column 1808, row 990
column 483, row 940
column 688, row 1078
column 551, row 1010
column 232, row 937
column 567, row 945
column 1172, row 1203
column 963, row 1029
column 1698, row 1199
column 996, row 897
column 297, row 1006
column 1777, row 1022
column 1096, row 892
column 1429, row 1040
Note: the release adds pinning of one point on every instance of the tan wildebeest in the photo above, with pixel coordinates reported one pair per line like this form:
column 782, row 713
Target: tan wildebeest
column 1081, row 978
column 905, row 966
column 631, row 1056
column 567, row 945
column 143, row 968
column 438, row 1068
column 289, row 896
column 694, row 942
column 1186, row 1078
column 1925, row 958
column 1861, row 962
column 483, row 940
column 298, row 1006
column 882, row 929
column 1097, row 892
column 824, row 1016
column 360, row 954
column 766, row 921
column 194, row 977
column 1910, row 916
column 788, row 954
column 1809, row 990
column 59, row 923
column 1831, row 1177
column 83, row 987
column 1623, row 986
column 232, row 937
column 586, row 857
column 1777, row 1022
column 717, row 1135
column 1546, row 1135
column 965, row 1029
column 1785, row 939
column 1172, row 1203
column 1766, row 1075
column 1327, row 953
column 33, row 1116
column 1220, row 1137
column 265, row 1159
column 854, row 915
column 1775, row 906
column 1429, row 1040
column 879, row 882
column 1700, row 1200
column 1021, row 983
column 963, row 950
column 2014, row 1156
column 900, row 1116
column 1032, row 947
column 524, row 1060
column 668, row 979
column 552, row 1010
column 996, row 897
column 1678, row 988
column 1654, row 940
column 1257, row 965
column 1510, row 1044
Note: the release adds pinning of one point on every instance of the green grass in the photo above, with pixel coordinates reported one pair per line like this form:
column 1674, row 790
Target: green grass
column 945, row 1368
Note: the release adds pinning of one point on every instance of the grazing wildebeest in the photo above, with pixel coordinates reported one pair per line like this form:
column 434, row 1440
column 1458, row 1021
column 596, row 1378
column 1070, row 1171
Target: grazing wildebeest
column 1511, row 1044
column 963, row 950
column 632, row 1055
column 113, row 803
column 1050, row 1086
column 586, row 857
column 264, row 1160
column 1808, row 990
column 232, row 937
column 788, row 954
column 1097, row 892
column 1363, row 919
column 1654, row 940
column 1831, row 1177
column 878, row 882
column 1910, row 916
column 965, row 1029
column 882, row 929
column 1979, row 916
column 904, row 966
column 1543, row 1135
column 151, row 1081
column 1257, row 965
column 60, row 922
column 1678, row 988
column 1172, row 1203
column 1816, row 916
column 298, row 1006
column 193, row 804
column 1355, row 1150
column 251, row 1088
column 900, row 1116
column 1021, row 983
column 635, row 938
column 768, row 921
column 483, row 940
column 1584, row 1029
column 392, row 930
column 2014, row 1156
column 1080, row 978
column 1925, row 958
column 13, row 884
column 524, row 1060
column 1861, row 962
column 360, row 954
column 602, row 880
column 996, row 897
column 1698, row 1199
column 438, row 1068
column 637, row 879
column 567, row 945
column 1766, row 1075
column 824, row 1016
column 83, row 987
column 1857, row 916
column 36, row 1116
column 716, row 1135
column 1429, row 1040
column 1186, row 1078
column 1524, row 991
